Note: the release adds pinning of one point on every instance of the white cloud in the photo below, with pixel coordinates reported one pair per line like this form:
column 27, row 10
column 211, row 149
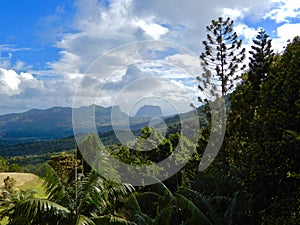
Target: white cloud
column 6, row 58
column 98, row 28
column 14, row 84
column 20, row 65
column 152, row 29
column 234, row 13
column 246, row 32
column 22, row 91
column 68, row 64
column 150, row 89
column 285, row 9
column 137, row 85
column 9, row 81
column 288, row 31
column 26, row 76
column 285, row 32
column 101, row 28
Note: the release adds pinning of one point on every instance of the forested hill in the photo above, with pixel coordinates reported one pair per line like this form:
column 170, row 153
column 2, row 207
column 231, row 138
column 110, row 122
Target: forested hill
column 46, row 131
column 34, row 124
column 56, row 123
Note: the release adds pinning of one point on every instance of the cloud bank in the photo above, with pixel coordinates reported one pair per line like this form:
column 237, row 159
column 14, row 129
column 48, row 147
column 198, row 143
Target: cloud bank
column 100, row 26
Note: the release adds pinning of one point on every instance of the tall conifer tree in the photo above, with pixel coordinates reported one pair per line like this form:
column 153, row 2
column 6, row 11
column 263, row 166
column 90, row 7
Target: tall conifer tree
column 260, row 60
column 222, row 58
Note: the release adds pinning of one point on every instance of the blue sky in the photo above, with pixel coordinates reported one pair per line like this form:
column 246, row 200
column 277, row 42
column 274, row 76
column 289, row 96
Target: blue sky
column 46, row 47
column 31, row 29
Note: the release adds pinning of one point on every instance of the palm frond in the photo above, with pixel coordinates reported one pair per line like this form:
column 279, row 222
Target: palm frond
column 40, row 206
column 111, row 220
column 164, row 215
column 135, row 212
column 231, row 208
column 163, row 190
column 204, row 203
column 83, row 220
column 22, row 207
column 55, row 189
column 142, row 219
column 88, row 192
column 192, row 213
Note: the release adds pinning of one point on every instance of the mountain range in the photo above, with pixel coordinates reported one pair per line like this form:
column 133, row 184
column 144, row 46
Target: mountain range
column 38, row 132
column 56, row 122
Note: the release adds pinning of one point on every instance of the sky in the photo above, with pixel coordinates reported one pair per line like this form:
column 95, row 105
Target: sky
column 120, row 52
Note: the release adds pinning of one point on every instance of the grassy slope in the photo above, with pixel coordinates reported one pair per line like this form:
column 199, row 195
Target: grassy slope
column 24, row 181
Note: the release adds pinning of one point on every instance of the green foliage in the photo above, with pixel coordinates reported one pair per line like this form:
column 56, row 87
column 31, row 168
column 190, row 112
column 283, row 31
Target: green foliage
column 9, row 184
column 38, row 147
column 37, row 169
column 263, row 133
column 8, row 166
column 4, row 167
column 64, row 164
column 260, row 60
column 279, row 119
column 192, row 213
column 218, row 195
column 22, row 207
column 88, row 200
column 154, row 205
column 96, row 197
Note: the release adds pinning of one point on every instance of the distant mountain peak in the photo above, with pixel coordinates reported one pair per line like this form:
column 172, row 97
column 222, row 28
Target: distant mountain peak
column 149, row 111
